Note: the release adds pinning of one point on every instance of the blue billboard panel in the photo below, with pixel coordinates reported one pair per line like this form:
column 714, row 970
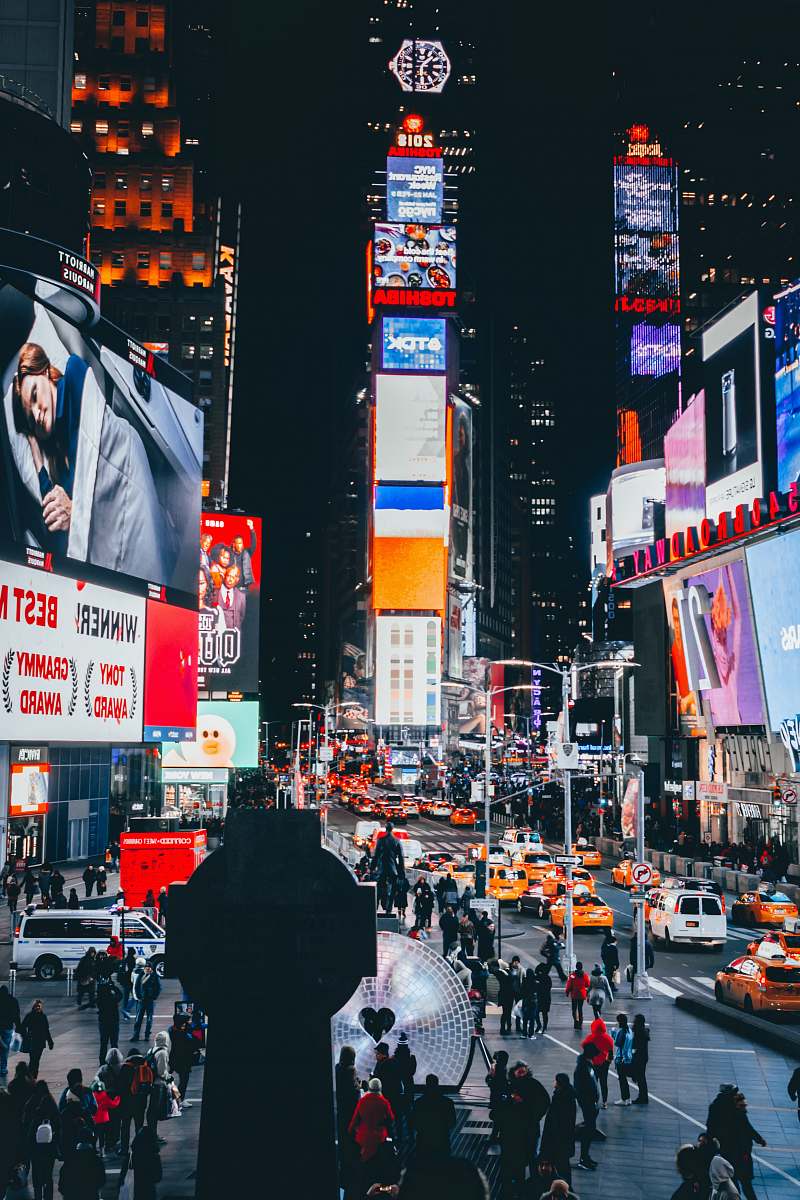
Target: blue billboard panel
column 774, row 570
column 414, row 190
column 787, row 386
column 414, row 344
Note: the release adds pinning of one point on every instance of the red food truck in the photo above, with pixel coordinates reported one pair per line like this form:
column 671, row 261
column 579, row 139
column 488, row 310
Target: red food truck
column 155, row 859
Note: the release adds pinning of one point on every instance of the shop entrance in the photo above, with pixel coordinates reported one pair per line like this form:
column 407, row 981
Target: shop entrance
column 26, row 840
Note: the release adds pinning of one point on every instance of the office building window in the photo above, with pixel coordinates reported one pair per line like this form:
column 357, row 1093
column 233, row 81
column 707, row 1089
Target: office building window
column 101, row 127
column 125, row 83
column 142, row 19
column 142, row 45
column 187, row 351
column 166, row 209
column 103, row 83
column 121, row 183
column 118, row 17
column 99, row 208
column 147, row 128
column 99, row 179
column 146, row 208
column 165, row 260
column 146, row 183
column 143, row 260
column 76, row 126
column 167, row 183
column 198, row 261
column 120, row 208
column 149, row 84
column 206, row 350
column 118, row 258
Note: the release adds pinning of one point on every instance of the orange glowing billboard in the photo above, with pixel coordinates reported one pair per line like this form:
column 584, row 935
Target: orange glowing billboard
column 409, row 573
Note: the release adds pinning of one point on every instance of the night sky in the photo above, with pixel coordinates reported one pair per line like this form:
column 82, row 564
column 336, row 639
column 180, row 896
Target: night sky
column 290, row 136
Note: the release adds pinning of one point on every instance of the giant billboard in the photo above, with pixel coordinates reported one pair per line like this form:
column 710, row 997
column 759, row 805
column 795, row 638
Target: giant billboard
column 461, row 492
column 409, row 573
column 229, row 593
column 787, row 385
column 407, row 670
column 226, row 736
column 685, row 464
column 410, row 428
column 414, row 256
column 414, row 190
column 406, row 510
column 413, row 344
column 774, row 569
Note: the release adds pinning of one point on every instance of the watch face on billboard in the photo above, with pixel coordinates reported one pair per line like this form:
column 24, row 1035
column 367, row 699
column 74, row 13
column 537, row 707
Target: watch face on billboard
column 410, row 428
column 170, row 692
column 229, row 594
column 414, row 343
column 421, row 66
column 414, row 190
column 226, row 736
column 774, row 570
column 733, row 396
column 787, row 386
column 414, row 256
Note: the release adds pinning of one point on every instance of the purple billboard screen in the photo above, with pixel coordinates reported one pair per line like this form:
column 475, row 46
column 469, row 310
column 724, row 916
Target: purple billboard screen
column 727, row 652
column 685, row 463
column 655, row 349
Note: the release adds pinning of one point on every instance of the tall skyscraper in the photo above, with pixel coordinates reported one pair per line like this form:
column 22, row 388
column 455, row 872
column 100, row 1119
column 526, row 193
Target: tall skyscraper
column 164, row 241
column 36, row 51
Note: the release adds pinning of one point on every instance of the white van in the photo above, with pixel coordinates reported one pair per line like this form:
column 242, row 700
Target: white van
column 680, row 915
column 519, row 839
column 47, row 941
column 363, row 833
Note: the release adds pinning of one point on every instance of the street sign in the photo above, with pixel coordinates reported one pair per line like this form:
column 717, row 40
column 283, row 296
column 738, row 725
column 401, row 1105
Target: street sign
column 568, row 860
column 641, row 874
column 487, row 904
column 325, row 754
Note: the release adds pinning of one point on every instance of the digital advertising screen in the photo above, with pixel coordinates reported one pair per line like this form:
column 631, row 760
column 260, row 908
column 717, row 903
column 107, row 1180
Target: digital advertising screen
column 414, row 190
column 720, row 645
column 461, row 492
column 637, row 501
column 355, row 687
column 407, row 511
column 685, row 466
column 733, row 398
column 410, row 428
column 408, row 573
column 454, row 648
column 787, row 385
column 650, row 651
column 690, row 714
column 655, row 348
column 229, row 593
column 471, row 702
column 413, row 343
column 647, row 264
column 30, row 779
column 226, row 736
column 774, row 570
column 170, row 690
column 414, row 256
column 407, row 670
column 645, row 198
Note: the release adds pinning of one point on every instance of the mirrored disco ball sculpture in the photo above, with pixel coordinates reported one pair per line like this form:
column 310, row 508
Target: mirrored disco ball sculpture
column 415, row 992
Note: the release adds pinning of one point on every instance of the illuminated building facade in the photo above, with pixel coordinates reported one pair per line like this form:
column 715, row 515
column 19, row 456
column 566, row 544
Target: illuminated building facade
column 646, row 295
column 166, row 247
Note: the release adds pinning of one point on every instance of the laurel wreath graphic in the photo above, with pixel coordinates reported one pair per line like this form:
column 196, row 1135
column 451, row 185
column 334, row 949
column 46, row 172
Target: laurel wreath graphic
column 134, row 691
column 87, row 697
column 8, row 703
column 73, row 698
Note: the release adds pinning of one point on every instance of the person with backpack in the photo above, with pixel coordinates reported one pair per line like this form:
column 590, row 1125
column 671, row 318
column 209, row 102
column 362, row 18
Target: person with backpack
column 577, row 989
column 82, row 1174
column 9, row 1022
column 12, row 894
column 86, row 977
column 41, row 1128
column 599, row 990
column 77, row 1123
column 136, row 1080
column 36, row 1035
column 147, row 989
column 109, row 996
column 551, row 952
column 104, row 1126
column 623, row 1057
column 158, row 1106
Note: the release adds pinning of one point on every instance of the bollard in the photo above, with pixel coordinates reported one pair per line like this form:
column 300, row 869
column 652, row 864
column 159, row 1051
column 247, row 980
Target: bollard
column 12, row 981
column 70, row 976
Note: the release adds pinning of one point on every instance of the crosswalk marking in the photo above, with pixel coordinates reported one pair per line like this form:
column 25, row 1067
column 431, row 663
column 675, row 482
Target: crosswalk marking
column 658, row 985
column 704, row 979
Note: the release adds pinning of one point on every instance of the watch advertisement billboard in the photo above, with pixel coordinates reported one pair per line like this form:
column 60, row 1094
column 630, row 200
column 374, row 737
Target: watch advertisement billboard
column 461, row 493
column 229, row 595
column 720, row 646
column 226, row 736
column 774, row 570
column 414, row 190
column 414, row 256
column 407, row 670
column 787, row 385
column 410, row 429
column 413, row 344
column 71, row 659
column 685, row 465
column 733, row 404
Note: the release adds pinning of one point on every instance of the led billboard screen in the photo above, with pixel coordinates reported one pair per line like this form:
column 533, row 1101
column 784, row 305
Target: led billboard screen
column 229, row 587
column 170, row 692
column 733, row 398
column 226, row 736
column 414, row 256
column 30, row 778
column 774, row 570
column 645, row 198
column 407, row 670
column 410, row 428
column 655, row 349
column 647, row 264
column 413, row 344
column 471, row 702
column 408, row 573
column 414, row 190
column 689, row 710
column 461, row 492
column 787, row 386
column 637, row 502
column 685, row 465
column 410, row 511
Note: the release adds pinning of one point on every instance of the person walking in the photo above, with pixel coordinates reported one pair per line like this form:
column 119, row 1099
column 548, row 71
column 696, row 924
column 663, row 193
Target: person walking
column 145, row 1164
column 485, row 931
column 638, row 1072
column 794, row 1089
column 467, row 896
column 451, row 892
column 535, row 1102
column 135, row 1085
column 448, row 923
column 497, row 1083
column 505, row 996
column 125, row 973
column 20, row 1089
column 372, row 1121
column 12, row 894
column 729, row 1123
column 36, row 1035
column 45, row 881
column 721, row 1176
column 57, row 882
column 181, row 1055
column 558, row 1135
column 29, row 885
column 601, row 1050
column 101, row 880
column 466, row 932
column 114, row 948
column 147, row 989
column 517, row 975
column 162, row 903
column 433, row 1120
column 89, row 877
column 86, row 977
column 401, row 889
column 10, row 1021
column 623, row 1057
column 109, row 996
column 104, row 1126
column 544, row 991
column 514, row 1143
column 599, row 991
column 423, row 905
column 530, row 1004
column 577, row 989
column 587, row 1094
column 551, row 952
column 41, row 1129
column 348, row 1094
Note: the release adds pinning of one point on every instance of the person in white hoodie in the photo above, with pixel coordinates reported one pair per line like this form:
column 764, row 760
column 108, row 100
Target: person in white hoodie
column 720, row 1173
column 599, row 990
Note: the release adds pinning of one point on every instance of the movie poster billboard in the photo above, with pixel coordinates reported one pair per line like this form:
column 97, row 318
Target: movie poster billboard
column 229, row 593
column 226, row 736
column 685, row 464
column 461, row 498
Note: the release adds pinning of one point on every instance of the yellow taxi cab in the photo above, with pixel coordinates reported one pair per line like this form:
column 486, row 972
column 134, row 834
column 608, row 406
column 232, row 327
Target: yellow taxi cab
column 463, row 816
column 588, row 911
column 537, row 864
column 590, row 856
column 760, row 984
column 506, row 884
column 766, row 906
column 774, row 943
column 621, row 874
column 539, row 896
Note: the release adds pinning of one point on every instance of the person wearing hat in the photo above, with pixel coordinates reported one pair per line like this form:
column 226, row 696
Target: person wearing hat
column 405, row 1064
column 388, row 1071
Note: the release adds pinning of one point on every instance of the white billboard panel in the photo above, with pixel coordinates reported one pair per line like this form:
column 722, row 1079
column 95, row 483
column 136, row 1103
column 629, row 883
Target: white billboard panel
column 410, row 428
column 408, row 670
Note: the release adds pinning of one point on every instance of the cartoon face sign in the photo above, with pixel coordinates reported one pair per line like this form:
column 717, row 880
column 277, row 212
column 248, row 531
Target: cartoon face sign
column 215, row 745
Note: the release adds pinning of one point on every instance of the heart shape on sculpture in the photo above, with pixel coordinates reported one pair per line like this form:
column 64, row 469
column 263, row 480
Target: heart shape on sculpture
column 377, row 1023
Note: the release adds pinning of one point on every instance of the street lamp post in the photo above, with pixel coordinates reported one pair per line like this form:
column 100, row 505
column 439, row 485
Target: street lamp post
column 641, row 980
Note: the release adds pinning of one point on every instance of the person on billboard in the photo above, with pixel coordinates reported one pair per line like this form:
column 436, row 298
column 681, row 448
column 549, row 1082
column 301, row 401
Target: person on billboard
column 205, row 552
column 220, row 561
column 205, row 601
column 231, row 601
column 243, row 559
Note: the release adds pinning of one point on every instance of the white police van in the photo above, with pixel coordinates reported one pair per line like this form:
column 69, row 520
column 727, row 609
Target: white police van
column 47, row 941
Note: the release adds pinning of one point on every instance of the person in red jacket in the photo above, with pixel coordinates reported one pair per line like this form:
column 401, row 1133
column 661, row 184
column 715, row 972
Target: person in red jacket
column 600, row 1040
column 102, row 1117
column 115, row 948
column 577, row 988
column 371, row 1122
